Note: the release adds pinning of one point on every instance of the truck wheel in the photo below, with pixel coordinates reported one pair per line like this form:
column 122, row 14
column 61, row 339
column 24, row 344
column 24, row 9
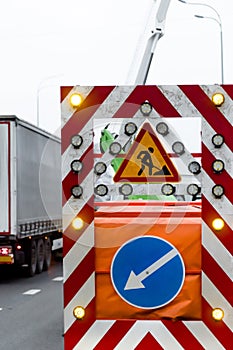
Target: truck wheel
column 47, row 254
column 40, row 255
column 32, row 259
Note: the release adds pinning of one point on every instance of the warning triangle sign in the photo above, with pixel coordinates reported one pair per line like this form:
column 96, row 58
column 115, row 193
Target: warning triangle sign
column 147, row 161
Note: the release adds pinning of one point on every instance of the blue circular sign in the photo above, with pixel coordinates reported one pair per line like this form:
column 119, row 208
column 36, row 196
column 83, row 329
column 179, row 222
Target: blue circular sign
column 147, row 272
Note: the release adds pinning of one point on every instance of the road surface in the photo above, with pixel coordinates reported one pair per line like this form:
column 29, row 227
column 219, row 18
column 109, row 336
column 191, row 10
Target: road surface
column 31, row 310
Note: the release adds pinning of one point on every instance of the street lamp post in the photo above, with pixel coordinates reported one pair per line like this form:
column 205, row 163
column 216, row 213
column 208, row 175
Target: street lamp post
column 214, row 19
column 221, row 41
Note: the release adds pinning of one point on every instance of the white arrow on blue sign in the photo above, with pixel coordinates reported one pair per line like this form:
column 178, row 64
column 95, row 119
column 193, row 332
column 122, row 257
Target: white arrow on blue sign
column 147, row 272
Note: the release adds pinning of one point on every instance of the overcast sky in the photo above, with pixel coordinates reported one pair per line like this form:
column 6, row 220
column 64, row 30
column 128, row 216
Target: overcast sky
column 48, row 43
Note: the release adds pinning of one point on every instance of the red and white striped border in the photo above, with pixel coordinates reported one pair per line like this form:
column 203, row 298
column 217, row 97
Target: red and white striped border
column 217, row 249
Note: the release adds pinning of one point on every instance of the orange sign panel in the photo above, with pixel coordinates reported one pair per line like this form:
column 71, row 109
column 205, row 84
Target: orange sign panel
column 112, row 232
column 147, row 161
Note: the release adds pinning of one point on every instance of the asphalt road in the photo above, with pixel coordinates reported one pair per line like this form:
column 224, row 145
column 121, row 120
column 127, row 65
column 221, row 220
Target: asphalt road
column 31, row 310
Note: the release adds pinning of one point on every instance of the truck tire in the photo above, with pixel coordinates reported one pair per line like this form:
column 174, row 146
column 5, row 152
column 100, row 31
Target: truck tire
column 47, row 254
column 32, row 260
column 40, row 255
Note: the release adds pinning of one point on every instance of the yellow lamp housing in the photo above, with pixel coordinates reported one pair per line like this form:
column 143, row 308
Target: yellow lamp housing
column 126, row 190
column 79, row 312
column 100, row 168
column 217, row 314
column 115, row 148
column 77, row 223
column 101, row 190
column 162, row 128
column 77, row 191
column 168, row 189
column 75, row 100
column 218, row 140
column 218, row 99
column 218, row 191
column 130, row 128
column 218, row 166
column 218, row 224
column 146, row 108
column 76, row 141
column 76, row 165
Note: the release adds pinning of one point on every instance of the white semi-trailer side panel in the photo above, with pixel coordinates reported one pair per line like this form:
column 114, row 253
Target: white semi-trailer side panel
column 38, row 180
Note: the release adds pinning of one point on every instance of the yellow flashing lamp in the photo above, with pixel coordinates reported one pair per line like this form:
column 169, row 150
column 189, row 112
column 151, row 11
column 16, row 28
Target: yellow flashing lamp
column 146, row 108
column 218, row 224
column 218, row 99
column 75, row 100
column 77, row 223
column 217, row 314
column 218, row 166
column 218, row 191
column 77, row 191
column 79, row 312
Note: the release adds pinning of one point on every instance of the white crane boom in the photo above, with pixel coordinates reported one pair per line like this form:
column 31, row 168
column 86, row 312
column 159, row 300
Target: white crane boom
column 157, row 33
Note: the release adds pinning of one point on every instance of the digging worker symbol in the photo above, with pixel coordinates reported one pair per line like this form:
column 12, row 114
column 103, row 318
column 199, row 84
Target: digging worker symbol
column 146, row 161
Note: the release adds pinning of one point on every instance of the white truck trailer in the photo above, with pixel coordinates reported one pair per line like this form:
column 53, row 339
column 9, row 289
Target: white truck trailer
column 30, row 195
